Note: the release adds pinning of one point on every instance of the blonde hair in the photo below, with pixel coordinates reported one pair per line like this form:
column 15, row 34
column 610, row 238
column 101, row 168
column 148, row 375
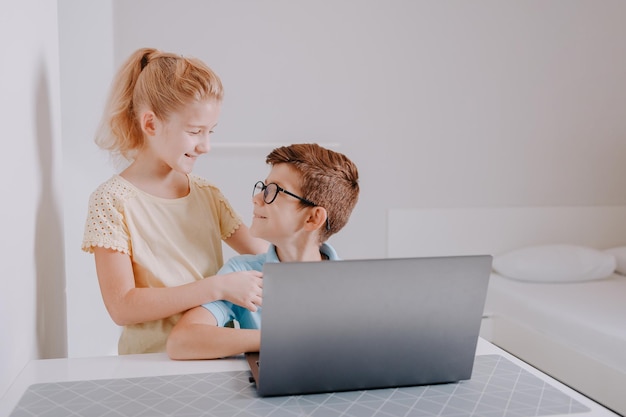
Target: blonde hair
column 329, row 179
column 159, row 81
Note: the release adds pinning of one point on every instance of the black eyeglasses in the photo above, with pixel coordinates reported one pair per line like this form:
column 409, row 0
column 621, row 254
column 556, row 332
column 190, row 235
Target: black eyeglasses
column 271, row 190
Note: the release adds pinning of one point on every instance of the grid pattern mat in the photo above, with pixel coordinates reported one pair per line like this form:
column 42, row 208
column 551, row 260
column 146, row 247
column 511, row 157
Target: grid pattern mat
column 498, row 388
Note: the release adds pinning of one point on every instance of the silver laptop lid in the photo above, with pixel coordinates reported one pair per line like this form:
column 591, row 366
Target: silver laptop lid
column 362, row 324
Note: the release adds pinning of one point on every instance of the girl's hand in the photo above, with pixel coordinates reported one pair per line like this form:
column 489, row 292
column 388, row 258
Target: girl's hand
column 243, row 288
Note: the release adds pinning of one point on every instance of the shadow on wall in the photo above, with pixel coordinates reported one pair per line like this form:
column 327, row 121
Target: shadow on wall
column 49, row 254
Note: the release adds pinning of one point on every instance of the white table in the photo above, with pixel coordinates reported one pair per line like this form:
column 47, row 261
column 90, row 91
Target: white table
column 147, row 365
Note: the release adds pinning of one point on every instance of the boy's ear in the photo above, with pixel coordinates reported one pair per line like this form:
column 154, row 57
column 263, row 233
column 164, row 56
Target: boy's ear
column 317, row 219
column 148, row 122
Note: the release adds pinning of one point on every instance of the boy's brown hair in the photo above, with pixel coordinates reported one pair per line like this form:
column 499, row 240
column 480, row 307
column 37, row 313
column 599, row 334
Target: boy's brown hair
column 329, row 179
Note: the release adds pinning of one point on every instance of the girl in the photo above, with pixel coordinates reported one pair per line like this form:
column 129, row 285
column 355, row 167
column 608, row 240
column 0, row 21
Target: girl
column 156, row 229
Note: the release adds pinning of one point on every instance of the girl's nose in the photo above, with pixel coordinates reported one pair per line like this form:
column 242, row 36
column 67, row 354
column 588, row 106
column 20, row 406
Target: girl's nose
column 204, row 145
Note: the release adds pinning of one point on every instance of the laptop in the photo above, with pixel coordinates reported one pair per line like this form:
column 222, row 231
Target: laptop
column 366, row 324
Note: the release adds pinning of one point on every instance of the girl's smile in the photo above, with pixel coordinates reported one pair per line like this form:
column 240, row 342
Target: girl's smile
column 185, row 135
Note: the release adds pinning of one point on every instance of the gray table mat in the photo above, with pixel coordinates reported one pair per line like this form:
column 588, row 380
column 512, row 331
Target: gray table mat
column 498, row 387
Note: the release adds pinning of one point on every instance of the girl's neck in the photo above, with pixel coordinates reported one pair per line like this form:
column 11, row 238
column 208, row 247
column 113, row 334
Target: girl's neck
column 160, row 183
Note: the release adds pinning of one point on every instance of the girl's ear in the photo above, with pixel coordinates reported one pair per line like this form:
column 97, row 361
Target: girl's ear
column 316, row 219
column 148, row 122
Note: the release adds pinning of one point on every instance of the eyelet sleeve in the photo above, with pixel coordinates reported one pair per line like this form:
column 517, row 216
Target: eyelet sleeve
column 228, row 219
column 105, row 225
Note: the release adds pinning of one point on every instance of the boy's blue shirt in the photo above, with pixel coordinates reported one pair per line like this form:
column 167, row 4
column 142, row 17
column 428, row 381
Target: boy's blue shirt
column 225, row 311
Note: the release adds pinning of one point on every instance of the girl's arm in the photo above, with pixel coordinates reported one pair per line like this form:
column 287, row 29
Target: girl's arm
column 197, row 336
column 127, row 304
column 243, row 242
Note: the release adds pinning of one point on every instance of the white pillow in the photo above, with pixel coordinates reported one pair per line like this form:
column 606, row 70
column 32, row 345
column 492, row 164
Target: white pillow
column 620, row 257
column 555, row 263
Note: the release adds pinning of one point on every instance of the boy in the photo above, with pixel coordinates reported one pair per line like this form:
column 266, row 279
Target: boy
column 307, row 197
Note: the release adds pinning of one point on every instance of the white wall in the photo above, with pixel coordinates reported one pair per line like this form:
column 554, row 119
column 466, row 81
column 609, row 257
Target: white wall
column 86, row 54
column 32, row 287
column 440, row 103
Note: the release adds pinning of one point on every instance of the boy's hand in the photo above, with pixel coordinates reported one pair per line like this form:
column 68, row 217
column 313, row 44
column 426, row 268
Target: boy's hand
column 243, row 288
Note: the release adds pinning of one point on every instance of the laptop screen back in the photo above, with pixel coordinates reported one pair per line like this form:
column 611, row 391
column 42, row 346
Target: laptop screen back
column 362, row 324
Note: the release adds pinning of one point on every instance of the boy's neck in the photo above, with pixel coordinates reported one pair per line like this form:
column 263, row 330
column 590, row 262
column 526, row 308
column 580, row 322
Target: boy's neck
column 308, row 253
